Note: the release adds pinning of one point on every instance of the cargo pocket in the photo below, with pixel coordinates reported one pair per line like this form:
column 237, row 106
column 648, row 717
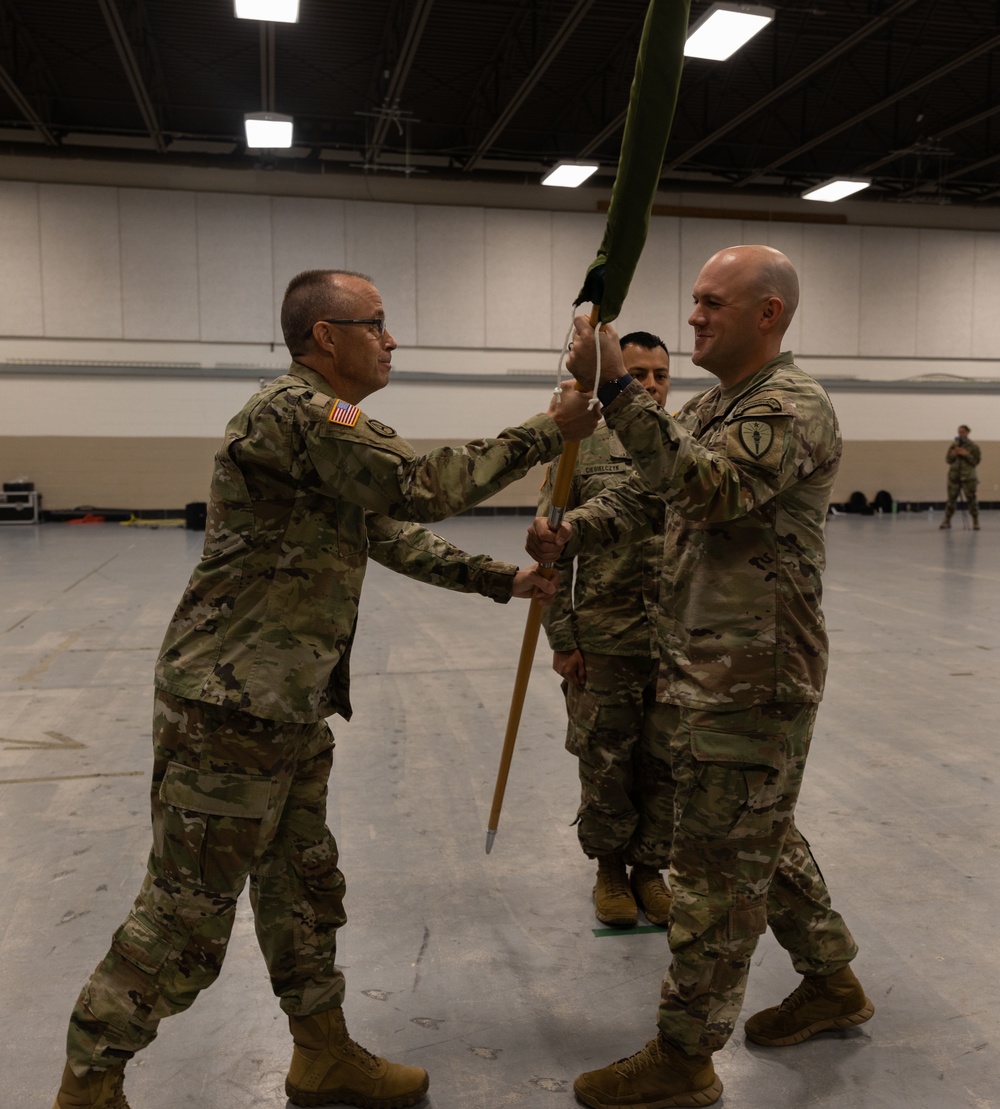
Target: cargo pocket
column 738, row 778
column 583, row 709
column 139, row 943
column 748, row 918
column 211, row 826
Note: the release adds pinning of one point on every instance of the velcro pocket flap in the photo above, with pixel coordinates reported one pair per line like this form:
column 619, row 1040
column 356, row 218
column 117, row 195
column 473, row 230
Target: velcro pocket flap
column 743, row 750
column 240, row 795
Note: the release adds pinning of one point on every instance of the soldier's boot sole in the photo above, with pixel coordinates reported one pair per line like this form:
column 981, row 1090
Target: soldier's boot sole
column 695, row 1098
column 347, row 1096
column 828, row 1024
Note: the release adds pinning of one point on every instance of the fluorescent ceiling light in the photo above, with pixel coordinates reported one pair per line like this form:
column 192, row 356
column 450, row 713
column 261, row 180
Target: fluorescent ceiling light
column 724, row 28
column 267, row 130
column 568, row 175
column 837, row 188
column 272, row 11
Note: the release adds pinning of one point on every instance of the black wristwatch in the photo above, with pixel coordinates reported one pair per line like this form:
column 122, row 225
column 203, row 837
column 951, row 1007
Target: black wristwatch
column 607, row 392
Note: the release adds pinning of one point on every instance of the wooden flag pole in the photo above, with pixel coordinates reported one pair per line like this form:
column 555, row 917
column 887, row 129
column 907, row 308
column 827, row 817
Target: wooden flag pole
column 560, row 497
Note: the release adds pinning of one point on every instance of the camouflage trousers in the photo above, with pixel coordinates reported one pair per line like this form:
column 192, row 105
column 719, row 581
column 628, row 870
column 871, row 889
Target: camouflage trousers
column 962, row 487
column 233, row 797
column 738, row 864
column 626, row 791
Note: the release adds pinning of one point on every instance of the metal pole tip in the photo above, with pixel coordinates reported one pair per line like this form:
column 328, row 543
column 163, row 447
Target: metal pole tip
column 491, row 835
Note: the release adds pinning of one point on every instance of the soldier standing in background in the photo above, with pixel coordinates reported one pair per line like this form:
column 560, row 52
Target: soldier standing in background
column 256, row 657
column 601, row 627
column 963, row 457
column 746, row 470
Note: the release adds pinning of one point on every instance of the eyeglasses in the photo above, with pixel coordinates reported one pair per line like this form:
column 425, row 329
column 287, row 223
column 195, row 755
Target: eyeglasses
column 378, row 322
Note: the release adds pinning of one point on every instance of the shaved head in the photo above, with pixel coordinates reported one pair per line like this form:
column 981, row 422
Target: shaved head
column 744, row 299
column 767, row 273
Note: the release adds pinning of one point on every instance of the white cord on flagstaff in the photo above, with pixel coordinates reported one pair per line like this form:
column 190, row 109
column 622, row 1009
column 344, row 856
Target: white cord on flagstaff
column 557, row 391
column 594, row 402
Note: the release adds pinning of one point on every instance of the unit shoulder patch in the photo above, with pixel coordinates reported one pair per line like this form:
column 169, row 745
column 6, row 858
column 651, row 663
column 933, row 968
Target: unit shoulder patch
column 756, row 437
column 381, row 429
column 760, row 441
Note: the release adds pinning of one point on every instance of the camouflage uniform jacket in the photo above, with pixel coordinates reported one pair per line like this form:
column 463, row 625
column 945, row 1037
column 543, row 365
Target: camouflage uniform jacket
column 610, row 605
column 963, row 469
column 747, row 472
column 266, row 623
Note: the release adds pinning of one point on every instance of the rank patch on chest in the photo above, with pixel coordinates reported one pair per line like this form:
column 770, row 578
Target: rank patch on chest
column 756, row 437
column 344, row 413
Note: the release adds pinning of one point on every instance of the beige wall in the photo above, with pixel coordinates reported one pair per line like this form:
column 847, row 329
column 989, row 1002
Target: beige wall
column 162, row 473
column 147, row 473
column 909, row 470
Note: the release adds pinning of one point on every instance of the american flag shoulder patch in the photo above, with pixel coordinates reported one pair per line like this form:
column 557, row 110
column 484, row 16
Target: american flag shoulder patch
column 344, row 413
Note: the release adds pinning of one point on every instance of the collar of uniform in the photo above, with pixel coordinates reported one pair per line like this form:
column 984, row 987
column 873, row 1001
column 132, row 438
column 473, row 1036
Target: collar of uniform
column 734, row 392
column 315, row 380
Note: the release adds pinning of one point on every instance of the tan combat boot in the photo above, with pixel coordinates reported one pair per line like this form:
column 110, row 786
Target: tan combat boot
column 328, row 1066
column 818, row 1004
column 614, row 904
column 98, row 1089
column 657, row 1077
column 651, row 894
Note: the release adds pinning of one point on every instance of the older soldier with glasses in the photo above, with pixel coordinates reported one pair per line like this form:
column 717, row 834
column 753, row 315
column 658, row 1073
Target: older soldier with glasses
column 745, row 471
column 305, row 488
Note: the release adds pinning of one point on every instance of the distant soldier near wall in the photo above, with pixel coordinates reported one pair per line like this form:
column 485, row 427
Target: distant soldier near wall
column 963, row 457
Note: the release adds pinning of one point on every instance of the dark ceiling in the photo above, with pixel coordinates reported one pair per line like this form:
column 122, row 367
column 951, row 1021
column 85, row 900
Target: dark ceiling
column 904, row 91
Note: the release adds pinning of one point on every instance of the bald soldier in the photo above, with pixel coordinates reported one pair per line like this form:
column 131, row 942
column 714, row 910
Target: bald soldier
column 745, row 471
column 305, row 487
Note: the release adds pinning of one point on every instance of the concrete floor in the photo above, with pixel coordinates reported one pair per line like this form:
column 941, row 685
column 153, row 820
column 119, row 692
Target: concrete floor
column 491, row 971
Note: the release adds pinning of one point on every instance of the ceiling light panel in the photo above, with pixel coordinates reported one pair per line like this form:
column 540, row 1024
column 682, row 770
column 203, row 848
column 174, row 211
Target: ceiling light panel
column 270, row 11
column 568, row 175
column 837, row 188
column 724, row 28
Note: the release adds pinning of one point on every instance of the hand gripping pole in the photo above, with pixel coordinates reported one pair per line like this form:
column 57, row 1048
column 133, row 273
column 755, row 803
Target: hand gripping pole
column 560, row 497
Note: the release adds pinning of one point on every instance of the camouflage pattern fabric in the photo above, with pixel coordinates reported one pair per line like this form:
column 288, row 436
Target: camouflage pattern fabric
column 266, row 623
column 963, row 480
column 626, row 791
column 233, row 797
column 606, row 606
column 747, row 474
column 607, row 599
column 421, row 555
column 739, row 864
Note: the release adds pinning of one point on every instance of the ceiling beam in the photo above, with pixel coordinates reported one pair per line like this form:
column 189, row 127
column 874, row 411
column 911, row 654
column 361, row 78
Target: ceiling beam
column 545, row 59
column 22, row 104
column 397, row 79
column 119, row 36
column 268, row 92
column 919, row 147
column 792, row 83
column 942, row 71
